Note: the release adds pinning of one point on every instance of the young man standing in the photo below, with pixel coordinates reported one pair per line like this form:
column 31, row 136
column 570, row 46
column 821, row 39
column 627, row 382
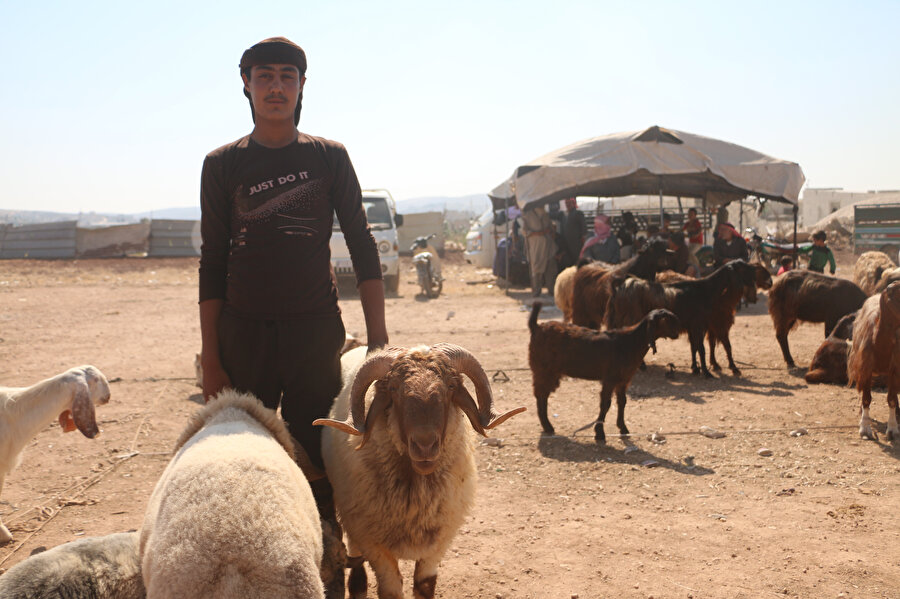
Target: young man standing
column 269, row 315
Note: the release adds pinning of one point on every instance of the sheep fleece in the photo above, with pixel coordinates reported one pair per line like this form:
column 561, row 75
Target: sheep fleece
column 232, row 515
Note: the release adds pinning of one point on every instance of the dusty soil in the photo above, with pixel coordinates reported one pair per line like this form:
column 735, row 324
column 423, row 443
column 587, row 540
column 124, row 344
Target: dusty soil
column 555, row 517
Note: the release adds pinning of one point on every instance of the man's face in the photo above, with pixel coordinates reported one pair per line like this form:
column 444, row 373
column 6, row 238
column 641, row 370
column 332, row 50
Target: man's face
column 274, row 90
column 725, row 233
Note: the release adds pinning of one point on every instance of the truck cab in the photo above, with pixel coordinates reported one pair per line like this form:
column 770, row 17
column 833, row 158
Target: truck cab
column 381, row 213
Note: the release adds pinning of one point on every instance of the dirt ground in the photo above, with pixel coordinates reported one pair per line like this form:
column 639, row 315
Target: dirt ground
column 556, row 517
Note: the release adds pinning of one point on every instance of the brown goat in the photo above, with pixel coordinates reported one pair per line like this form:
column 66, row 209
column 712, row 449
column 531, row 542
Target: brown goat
column 591, row 288
column 557, row 349
column 876, row 350
column 829, row 364
column 722, row 317
column 804, row 295
column 704, row 306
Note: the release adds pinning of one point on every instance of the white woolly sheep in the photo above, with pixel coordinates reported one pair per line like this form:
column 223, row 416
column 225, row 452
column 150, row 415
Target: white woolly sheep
column 562, row 291
column 868, row 269
column 25, row 411
column 232, row 515
column 875, row 349
column 404, row 489
column 101, row 567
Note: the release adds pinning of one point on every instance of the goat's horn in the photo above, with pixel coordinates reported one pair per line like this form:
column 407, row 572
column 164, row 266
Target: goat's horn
column 465, row 363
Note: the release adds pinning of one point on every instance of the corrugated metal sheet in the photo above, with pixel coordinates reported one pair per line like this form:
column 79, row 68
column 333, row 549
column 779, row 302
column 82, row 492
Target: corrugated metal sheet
column 174, row 238
column 114, row 241
column 46, row 240
column 421, row 224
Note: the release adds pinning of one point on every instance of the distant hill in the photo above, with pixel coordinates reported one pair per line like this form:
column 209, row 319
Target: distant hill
column 95, row 219
column 470, row 204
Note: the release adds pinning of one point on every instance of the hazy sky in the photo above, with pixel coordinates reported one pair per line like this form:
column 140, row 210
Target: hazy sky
column 111, row 106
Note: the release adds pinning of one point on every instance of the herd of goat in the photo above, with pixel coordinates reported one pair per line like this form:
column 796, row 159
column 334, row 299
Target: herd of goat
column 233, row 515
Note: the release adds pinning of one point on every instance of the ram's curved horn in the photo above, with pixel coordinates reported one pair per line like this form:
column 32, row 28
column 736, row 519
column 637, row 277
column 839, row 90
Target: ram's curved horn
column 374, row 368
column 465, row 363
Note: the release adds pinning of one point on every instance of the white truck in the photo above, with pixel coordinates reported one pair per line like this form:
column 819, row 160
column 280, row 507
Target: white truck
column 381, row 212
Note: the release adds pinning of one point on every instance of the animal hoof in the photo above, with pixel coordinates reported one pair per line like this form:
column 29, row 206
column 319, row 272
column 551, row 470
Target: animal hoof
column 600, row 440
column 893, row 434
column 867, row 433
column 735, row 372
column 716, row 367
column 708, row 374
column 548, row 432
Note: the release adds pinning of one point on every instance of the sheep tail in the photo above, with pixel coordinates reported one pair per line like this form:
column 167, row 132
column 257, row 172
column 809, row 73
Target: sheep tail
column 532, row 320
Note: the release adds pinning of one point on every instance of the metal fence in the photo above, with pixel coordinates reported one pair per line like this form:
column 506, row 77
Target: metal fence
column 174, row 238
column 45, row 240
column 62, row 240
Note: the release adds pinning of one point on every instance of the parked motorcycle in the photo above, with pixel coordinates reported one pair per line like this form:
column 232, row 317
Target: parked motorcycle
column 770, row 250
column 428, row 269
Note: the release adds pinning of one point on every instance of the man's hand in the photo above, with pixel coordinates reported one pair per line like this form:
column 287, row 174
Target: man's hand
column 214, row 380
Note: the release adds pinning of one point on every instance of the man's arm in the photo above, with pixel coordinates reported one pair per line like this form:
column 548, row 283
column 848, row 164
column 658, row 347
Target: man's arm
column 831, row 263
column 215, row 232
column 371, row 296
column 347, row 199
column 214, row 376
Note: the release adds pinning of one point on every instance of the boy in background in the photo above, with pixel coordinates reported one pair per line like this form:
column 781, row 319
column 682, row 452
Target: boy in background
column 820, row 254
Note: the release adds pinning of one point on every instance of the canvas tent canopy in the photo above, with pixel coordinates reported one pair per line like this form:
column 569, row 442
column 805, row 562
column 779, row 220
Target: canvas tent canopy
column 654, row 161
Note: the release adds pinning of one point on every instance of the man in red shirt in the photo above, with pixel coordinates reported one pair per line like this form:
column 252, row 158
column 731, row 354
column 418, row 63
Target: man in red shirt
column 693, row 230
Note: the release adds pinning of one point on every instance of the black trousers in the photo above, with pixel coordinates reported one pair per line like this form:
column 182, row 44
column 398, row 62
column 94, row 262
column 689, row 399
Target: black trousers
column 296, row 363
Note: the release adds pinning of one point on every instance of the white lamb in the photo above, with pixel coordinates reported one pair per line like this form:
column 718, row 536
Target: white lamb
column 25, row 411
column 403, row 490
column 232, row 515
column 98, row 567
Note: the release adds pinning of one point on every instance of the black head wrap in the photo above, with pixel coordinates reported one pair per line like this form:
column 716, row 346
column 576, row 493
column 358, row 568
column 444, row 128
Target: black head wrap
column 274, row 50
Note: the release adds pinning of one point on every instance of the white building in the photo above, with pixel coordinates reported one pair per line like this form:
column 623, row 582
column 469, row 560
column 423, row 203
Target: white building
column 817, row 203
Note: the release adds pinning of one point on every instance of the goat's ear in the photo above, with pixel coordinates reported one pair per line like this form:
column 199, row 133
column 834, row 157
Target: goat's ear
column 651, row 332
column 83, row 410
column 466, row 403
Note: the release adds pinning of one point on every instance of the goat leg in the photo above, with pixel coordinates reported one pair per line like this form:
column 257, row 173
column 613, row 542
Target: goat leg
column 357, row 582
column 541, row 395
column 781, row 333
column 605, row 402
column 893, row 432
column 620, row 406
column 726, row 343
column 698, row 340
column 425, row 578
column 865, row 423
column 5, row 535
column 713, row 363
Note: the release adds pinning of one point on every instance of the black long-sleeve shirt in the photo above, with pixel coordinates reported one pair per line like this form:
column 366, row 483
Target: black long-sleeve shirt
column 266, row 218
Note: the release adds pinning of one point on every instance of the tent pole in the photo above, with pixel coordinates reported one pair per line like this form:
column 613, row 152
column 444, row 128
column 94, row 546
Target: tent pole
column 705, row 213
column 741, row 216
column 509, row 247
column 660, row 204
column 795, row 234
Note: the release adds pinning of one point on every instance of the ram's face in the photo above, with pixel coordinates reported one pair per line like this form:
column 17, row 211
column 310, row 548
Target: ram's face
column 422, row 402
